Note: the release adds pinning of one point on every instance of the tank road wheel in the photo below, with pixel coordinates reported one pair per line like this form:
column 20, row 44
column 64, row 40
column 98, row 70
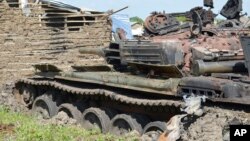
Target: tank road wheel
column 44, row 107
column 95, row 118
column 71, row 111
column 123, row 124
column 26, row 95
column 153, row 130
column 110, row 112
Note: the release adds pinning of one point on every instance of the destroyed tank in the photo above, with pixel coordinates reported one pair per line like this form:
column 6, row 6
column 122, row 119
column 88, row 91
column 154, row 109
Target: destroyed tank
column 142, row 85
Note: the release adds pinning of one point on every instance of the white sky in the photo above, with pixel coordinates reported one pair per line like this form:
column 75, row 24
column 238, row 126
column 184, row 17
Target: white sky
column 143, row 8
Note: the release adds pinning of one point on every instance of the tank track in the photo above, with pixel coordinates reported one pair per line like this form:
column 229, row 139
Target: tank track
column 119, row 97
column 102, row 92
column 163, row 106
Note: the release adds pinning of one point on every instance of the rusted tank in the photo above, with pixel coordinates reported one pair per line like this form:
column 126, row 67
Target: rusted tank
column 142, row 85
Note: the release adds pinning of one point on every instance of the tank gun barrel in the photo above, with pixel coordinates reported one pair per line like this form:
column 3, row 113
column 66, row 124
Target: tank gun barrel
column 96, row 51
column 114, row 12
column 184, row 14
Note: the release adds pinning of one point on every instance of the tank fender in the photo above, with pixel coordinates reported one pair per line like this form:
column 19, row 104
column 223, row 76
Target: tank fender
column 236, row 90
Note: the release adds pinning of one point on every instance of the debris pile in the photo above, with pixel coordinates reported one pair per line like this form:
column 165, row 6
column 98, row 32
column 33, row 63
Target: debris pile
column 202, row 123
column 175, row 126
column 8, row 99
column 213, row 124
column 193, row 105
column 62, row 119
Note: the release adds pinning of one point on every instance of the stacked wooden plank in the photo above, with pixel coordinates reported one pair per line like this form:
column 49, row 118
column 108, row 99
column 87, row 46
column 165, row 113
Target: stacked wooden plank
column 48, row 34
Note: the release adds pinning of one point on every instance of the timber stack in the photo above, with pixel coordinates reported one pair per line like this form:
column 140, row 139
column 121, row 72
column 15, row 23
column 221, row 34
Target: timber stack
column 47, row 32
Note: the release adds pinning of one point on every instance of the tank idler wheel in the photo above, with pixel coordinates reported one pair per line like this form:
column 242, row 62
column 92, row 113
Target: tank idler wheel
column 122, row 124
column 95, row 118
column 71, row 111
column 153, row 130
column 44, row 107
column 26, row 95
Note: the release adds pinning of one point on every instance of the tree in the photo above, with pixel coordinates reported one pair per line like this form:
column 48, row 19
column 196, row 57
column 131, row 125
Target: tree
column 136, row 19
column 181, row 18
column 219, row 21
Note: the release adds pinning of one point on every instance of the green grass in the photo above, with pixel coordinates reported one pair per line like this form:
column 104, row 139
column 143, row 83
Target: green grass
column 27, row 128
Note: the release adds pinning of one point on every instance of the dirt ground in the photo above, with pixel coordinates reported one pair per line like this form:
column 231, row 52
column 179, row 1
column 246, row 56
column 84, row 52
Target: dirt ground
column 214, row 125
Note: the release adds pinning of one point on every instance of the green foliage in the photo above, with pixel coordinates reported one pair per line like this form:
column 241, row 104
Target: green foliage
column 27, row 128
column 181, row 19
column 136, row 19
column 218, row 21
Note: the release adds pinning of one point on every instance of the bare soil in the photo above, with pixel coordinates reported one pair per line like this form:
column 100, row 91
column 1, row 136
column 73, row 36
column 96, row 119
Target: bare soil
column 6, row 128
column 214, row 125
column 63, row 119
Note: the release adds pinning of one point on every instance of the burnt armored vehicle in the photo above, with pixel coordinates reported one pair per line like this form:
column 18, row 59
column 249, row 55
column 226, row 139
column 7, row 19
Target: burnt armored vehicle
column 142, row 85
